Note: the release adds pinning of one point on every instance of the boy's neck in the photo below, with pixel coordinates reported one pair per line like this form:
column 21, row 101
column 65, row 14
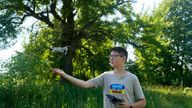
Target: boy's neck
column 119, row 70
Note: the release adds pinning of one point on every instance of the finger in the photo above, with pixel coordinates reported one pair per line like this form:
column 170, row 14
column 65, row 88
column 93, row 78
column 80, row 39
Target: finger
column 119, row 106
column 120, row 103
column 52, row 69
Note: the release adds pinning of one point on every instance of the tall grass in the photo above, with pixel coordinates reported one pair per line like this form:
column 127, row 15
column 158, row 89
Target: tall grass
column 49, row 96
column 55, row 95
column 167, row 97
column 69, row 96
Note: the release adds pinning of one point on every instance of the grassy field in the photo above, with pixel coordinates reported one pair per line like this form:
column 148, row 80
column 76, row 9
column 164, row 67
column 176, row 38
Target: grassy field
column 69, row 96
column 168, row 97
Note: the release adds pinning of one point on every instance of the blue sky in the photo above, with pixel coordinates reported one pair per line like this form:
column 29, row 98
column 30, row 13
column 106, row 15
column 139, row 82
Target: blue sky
column 138, row 7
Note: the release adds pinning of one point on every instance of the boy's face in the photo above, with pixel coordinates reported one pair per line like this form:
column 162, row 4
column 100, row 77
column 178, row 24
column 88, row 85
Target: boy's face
column 116, row 59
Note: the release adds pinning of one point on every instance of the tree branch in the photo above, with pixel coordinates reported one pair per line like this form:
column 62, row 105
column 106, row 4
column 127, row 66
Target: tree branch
column 87, row 25
column 34, row 3
column 89, row 51
column 53, row 11
column 133, row 44
column 40, row 16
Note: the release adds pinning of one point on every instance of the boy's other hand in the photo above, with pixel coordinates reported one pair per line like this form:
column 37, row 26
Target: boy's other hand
column 123, row 104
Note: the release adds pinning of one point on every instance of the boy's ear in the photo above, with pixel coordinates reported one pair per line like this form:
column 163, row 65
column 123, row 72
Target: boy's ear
column 124, row 59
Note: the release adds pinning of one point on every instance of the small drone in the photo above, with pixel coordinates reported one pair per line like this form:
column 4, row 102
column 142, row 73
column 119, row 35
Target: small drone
column 60, row 49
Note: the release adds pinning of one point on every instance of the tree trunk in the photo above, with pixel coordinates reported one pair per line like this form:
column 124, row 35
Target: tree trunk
column 66, row 61
column 68, row 37
column 67, row 41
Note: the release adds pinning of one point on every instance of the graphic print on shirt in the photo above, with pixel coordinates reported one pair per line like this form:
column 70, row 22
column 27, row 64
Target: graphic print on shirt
column 117, row 89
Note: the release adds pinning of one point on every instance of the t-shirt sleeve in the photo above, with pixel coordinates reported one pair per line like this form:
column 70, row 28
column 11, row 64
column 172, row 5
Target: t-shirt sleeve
column 98, row 81
column 138, row 89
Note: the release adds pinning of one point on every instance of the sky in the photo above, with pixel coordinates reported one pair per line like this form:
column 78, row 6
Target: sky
column 138, row 7
column 141, row 6
column 145, row 5
column 7, row 53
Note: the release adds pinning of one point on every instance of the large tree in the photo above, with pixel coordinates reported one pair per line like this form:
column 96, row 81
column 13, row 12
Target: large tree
column 179, row 33
column 72, row 21
column 166, row 40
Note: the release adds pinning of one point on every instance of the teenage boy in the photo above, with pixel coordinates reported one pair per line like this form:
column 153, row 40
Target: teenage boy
column 119, row 83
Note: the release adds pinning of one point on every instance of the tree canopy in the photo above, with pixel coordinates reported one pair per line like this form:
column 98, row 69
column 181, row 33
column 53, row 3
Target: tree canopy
column 71, row 21
column 162, row 40
column 166, row 39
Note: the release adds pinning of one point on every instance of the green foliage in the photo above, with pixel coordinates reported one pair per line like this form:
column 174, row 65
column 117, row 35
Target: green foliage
column 162, row 43
column 90, row 60
column 18, row 94
column 52, row 94
column 9, row 23
column 165, row 42
column 32, row 64
column 69, row 96
column 36, row 59
column 167, row 97
column 179, row 34
column 71, row 23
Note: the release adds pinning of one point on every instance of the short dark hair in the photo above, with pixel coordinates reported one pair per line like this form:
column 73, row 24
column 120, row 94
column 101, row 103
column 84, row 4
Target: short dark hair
column 122, row 51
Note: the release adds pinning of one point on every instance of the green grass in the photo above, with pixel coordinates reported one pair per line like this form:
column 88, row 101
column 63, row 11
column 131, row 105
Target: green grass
column 49, row 96
column 55, row 95
column 167, row 97
column 69, row 96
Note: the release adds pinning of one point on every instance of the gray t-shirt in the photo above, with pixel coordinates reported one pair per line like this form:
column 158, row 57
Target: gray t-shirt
column 126, row 87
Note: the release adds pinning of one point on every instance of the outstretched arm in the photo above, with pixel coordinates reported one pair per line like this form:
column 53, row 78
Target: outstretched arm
column 73, row 80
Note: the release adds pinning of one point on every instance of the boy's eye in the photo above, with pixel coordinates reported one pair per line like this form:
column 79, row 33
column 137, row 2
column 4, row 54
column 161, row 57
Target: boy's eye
column 113, row 56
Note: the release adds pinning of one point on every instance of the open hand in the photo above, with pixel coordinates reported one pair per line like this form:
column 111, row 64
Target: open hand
column 123, row 104
column 57, row 71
